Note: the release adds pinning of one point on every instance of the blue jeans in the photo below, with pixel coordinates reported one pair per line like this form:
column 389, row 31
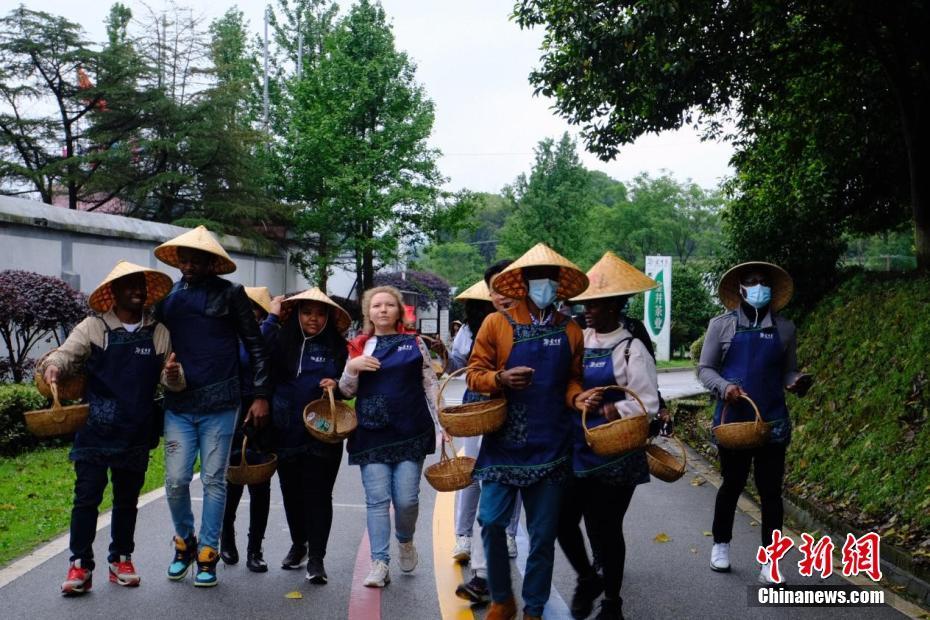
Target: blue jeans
column 541, row 503
column 466, row 500
column 386, row 483
column 186, row 436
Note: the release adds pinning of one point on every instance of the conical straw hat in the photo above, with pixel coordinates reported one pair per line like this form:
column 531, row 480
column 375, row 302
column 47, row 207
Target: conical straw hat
column 781, row 283
column 261, row 296
column 157, row 285
column 478, row 290
column 198, row 239
column 572, row 280
column 343, row 320
column 612, row 276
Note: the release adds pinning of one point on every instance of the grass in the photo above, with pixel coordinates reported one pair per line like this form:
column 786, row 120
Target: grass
column 36, row 490
column 675, row 363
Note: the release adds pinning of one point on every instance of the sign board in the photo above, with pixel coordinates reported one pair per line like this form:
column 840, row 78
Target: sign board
column 429, row 326
column 658, row 304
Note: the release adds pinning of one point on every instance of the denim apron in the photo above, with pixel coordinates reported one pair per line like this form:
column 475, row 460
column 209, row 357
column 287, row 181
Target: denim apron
column 121, row 381
column 394, row 421
column 626, row 469
column 536, row 437
column 754, row 362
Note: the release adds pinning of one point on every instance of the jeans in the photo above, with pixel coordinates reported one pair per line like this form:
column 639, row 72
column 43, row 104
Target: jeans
column 188, row 435
column 88, row 493
column 541, row 502
column 769, row 470
column 466, row 500
column 307, row 483
column 386, row 483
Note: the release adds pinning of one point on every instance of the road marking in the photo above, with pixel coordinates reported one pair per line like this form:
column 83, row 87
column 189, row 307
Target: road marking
column 364, row 603
column 447, row 571
column 556, row 608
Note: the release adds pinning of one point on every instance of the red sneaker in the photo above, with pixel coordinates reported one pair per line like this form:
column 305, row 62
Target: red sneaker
column 79, row 580
column 123, row 573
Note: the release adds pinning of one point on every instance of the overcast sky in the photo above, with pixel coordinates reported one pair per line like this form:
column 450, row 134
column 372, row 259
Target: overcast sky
column 474, row 63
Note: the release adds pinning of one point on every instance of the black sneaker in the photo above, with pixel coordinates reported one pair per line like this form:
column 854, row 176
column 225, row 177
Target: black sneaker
column 294, row 557
column 315, row 571
column 474, row 591
column 255, row 562
column 586, row 592
column 610, row 610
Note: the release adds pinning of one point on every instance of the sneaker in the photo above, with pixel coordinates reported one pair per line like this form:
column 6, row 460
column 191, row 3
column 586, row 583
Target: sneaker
column 315, row 571
column 379, row 575
column 79, row 580
column 229, row 553
column 720, row 557
column 408, row 556
column 294, row 557
column 475, row 591
column 766, row 578
column 123, row 573
column 511, row 546
column 206, row 568
column 610, row 610
column 184, row 551
column 462, row 550
column 255, row 562
column 587, row 589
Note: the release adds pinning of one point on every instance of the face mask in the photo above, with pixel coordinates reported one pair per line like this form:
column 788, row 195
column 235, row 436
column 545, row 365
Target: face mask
column 757, row 296
column 542, row 292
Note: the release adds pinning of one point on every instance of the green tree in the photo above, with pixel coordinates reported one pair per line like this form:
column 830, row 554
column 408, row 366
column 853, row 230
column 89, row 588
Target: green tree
column 459, row 263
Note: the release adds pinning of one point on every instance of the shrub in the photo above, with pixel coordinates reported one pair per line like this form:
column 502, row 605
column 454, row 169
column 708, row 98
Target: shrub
column 696, row 347
column 16, row 399
column 431, row 287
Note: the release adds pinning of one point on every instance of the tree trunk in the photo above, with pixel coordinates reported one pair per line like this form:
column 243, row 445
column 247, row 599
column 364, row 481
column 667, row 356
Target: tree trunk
column 323, row 264
column 368, row 259
column 917, row 142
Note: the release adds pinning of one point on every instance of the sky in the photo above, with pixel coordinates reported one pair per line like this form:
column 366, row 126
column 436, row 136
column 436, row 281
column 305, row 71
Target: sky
column 474, row 62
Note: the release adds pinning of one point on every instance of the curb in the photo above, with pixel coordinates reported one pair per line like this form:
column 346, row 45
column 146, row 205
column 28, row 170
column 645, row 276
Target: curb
column 677, row 369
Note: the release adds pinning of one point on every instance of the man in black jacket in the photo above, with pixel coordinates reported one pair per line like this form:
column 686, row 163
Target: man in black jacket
column 207, row 317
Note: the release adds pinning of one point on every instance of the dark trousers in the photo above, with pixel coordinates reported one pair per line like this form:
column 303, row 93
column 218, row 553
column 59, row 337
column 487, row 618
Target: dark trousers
column 603, row 507
column 88, row 493
column 307, row 483
column 768, row 463
column 259, row 505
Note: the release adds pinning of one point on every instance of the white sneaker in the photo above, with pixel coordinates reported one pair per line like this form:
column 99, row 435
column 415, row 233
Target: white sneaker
column 462, row 551
column 408, row 556
column 511, row 546
column 720, row 557
column 765, row 576
column 379, row 575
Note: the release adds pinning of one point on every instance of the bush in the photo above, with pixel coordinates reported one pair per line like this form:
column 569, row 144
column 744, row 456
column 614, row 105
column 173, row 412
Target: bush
column 16, row 399
column 431, row 287
column 696, row 347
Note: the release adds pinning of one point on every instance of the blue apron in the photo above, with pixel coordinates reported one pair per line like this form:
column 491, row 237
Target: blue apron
column 290, row 397
column 394, row 421
column 755, row 362
column 121, row 382
column 535, row 441
column 207, row 347
column 626, row 469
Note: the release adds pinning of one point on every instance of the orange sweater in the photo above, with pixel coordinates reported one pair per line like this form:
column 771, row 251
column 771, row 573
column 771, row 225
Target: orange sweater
column 495, row 340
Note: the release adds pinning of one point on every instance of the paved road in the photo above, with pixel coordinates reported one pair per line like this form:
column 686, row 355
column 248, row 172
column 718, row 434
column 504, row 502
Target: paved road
column 663, row 580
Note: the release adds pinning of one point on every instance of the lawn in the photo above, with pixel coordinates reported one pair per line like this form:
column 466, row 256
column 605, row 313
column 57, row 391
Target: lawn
column 675, row 363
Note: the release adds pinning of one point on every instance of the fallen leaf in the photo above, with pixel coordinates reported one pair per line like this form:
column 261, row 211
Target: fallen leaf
column 694, row 550
column 662, row 537
column 697, row 481
column 708, row 533
column 754, row 523
column 295, row 595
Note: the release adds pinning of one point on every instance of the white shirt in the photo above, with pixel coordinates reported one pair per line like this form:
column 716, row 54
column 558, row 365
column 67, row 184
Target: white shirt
column 638, row 374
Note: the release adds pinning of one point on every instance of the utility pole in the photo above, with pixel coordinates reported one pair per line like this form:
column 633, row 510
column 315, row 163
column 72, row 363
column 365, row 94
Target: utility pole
column 265, row 93
column 300, row 48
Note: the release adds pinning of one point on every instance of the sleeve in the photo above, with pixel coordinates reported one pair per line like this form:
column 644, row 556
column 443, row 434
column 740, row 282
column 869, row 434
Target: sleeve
column 576, row 342
column 790, row 368
column 70, row 356
column 163, row 347
column 348, row 382
column 430, row 382
column 709, row 365
column 483, row 358
column 251, row 337
column 461, row 348
column 639, row 375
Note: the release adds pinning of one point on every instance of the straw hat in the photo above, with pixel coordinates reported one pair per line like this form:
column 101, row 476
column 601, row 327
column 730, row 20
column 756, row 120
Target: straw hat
column 261, row 296
column 781, row 283
column 612, row 276
column 198, row 239
column 343, row 320
column 478, row 290
column 572, row 281
column 157, row 285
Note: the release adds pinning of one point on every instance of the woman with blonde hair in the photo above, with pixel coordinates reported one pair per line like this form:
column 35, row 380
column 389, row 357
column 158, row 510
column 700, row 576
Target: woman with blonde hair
column 390, row 374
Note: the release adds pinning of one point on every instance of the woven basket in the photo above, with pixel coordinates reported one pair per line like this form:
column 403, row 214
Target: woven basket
column 618, row 436
column 329, row 420
column 440, row 365
column 742, row 435
column 450, row 474
column 246, row 474
column 58, row 420
column 663, row 464
column 471, row 419
column 70, row 387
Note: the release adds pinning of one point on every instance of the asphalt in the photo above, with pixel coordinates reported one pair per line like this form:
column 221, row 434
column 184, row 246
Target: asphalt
column 663, row 579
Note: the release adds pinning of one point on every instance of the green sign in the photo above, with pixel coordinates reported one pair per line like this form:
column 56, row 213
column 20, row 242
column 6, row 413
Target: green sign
column 655, row 308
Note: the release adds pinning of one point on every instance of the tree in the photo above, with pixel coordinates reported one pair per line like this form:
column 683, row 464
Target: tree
column 457, row 262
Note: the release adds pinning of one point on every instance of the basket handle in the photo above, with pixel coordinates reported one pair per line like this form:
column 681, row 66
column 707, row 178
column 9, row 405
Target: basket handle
column 56, row 403
column 445, row 382
column 745, row 397
column 443, row 455
column 443, row 353
column 681, row 445
column 584, row 410
column 332, row 410
column 245, row 441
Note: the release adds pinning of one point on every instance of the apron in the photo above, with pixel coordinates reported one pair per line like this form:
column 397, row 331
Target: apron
column 121, row 381
column 536, row 437
column 626, row 469
column 394, row 421
column 755, row 363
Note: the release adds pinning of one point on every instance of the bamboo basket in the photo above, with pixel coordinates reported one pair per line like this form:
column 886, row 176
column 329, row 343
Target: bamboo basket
column 329, row 420
column 439, row 366
column 471, row 419
column 245, row 474
column 450, row 473
column 618, row 436
column 58, row 420
column 663, row 464
column 742, row 435
column 70, row 387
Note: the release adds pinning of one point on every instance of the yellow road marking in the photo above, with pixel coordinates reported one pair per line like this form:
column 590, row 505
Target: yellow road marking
column 448, row 571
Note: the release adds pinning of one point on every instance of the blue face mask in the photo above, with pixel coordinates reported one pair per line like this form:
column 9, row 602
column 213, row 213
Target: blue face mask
column 542, row 292
column 757, row 296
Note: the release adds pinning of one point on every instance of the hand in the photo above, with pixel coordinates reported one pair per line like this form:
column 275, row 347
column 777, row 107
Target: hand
column 51, row 374
column 801, row 385
column 328, row 384
column 172, row 369
column 437, row 346
column 276, row 305
column 610, row 411
column 589, row 398
column 517, row 378
column 733, row 393
column 446, row 437
column 666, row 428
column 363, row 363
column 258, row 413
